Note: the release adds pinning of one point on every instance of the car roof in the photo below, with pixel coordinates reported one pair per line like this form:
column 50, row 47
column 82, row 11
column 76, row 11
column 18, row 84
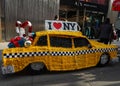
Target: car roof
column 64, row 33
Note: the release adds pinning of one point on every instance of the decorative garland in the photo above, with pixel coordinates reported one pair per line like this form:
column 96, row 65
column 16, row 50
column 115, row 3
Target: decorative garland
column 19, row 41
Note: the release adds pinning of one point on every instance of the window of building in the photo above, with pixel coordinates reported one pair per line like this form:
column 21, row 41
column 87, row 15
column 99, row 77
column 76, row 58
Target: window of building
column 42, row 41
column 61, row 42
column 80, row 42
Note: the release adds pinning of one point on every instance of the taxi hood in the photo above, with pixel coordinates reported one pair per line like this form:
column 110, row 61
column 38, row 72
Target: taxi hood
column 97, row 44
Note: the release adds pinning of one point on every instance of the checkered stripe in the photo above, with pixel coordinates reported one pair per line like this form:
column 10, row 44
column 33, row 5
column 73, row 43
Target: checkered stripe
column 80, row 52
column 65, row 53
column 58, row 53
column 25, row 54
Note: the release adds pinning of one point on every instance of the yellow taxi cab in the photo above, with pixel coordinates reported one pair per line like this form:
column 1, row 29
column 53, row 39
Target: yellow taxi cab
column 61, row 47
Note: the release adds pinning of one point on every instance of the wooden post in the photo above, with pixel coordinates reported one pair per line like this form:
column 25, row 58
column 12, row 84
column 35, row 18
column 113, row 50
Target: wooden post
column 77, row 10
column 84, row 15
column 0, row 30
column 0, row 22
column 77, row 14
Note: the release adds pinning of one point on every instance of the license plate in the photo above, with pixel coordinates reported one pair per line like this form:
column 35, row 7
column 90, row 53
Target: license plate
column 7, row 69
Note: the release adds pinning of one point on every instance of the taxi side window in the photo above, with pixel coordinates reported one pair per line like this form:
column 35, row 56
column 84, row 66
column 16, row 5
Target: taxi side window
column 80, row 42
column 61, row 42
column 42, row 41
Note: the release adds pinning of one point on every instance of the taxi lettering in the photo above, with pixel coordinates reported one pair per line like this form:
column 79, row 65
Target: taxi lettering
column 61, row 25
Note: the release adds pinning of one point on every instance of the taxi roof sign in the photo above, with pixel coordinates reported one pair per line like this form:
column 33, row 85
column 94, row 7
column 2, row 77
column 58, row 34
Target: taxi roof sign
column 61, row 25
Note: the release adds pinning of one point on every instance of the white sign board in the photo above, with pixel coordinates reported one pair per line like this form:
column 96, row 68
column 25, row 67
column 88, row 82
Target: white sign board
column 61, row 25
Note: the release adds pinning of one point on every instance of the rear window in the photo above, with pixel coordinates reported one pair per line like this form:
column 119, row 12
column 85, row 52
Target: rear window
column 61, row 42
column 42, row 41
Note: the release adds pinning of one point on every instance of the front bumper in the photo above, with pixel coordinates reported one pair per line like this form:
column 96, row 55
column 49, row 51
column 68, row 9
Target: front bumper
column 7, row 69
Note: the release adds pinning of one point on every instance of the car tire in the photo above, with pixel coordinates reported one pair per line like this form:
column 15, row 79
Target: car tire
column 104, row 60
column 36, row 68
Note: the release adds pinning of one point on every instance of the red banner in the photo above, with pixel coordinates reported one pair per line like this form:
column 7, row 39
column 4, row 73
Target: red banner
column 102, row 2
column 116, row 5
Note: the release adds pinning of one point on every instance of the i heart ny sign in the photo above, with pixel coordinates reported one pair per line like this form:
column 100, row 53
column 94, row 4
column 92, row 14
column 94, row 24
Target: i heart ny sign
column 61, row 25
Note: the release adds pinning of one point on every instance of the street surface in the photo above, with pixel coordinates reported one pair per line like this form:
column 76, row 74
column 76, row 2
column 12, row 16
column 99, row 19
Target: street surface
column 95, row 76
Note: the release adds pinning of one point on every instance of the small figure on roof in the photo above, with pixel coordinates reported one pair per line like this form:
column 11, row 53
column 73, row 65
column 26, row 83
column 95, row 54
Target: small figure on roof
column 56, row 17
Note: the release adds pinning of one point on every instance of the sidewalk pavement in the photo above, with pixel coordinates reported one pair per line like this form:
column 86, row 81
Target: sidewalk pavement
column 116, row 42
column 4, row 45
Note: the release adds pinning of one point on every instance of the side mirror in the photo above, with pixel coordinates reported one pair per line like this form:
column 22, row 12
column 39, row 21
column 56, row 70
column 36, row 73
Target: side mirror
column 89, row 46
column 27, row 43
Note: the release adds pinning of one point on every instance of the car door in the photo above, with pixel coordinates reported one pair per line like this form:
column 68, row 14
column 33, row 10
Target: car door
column 62, row 55
column 41, row 49
column 84, row 55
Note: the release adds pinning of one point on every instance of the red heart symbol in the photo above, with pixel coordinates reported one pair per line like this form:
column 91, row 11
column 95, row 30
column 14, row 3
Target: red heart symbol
column 57, row 25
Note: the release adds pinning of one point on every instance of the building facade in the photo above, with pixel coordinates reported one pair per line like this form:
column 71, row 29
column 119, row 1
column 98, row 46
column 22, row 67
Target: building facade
column 36, row 11
column 113, row 15
column 88, row 13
